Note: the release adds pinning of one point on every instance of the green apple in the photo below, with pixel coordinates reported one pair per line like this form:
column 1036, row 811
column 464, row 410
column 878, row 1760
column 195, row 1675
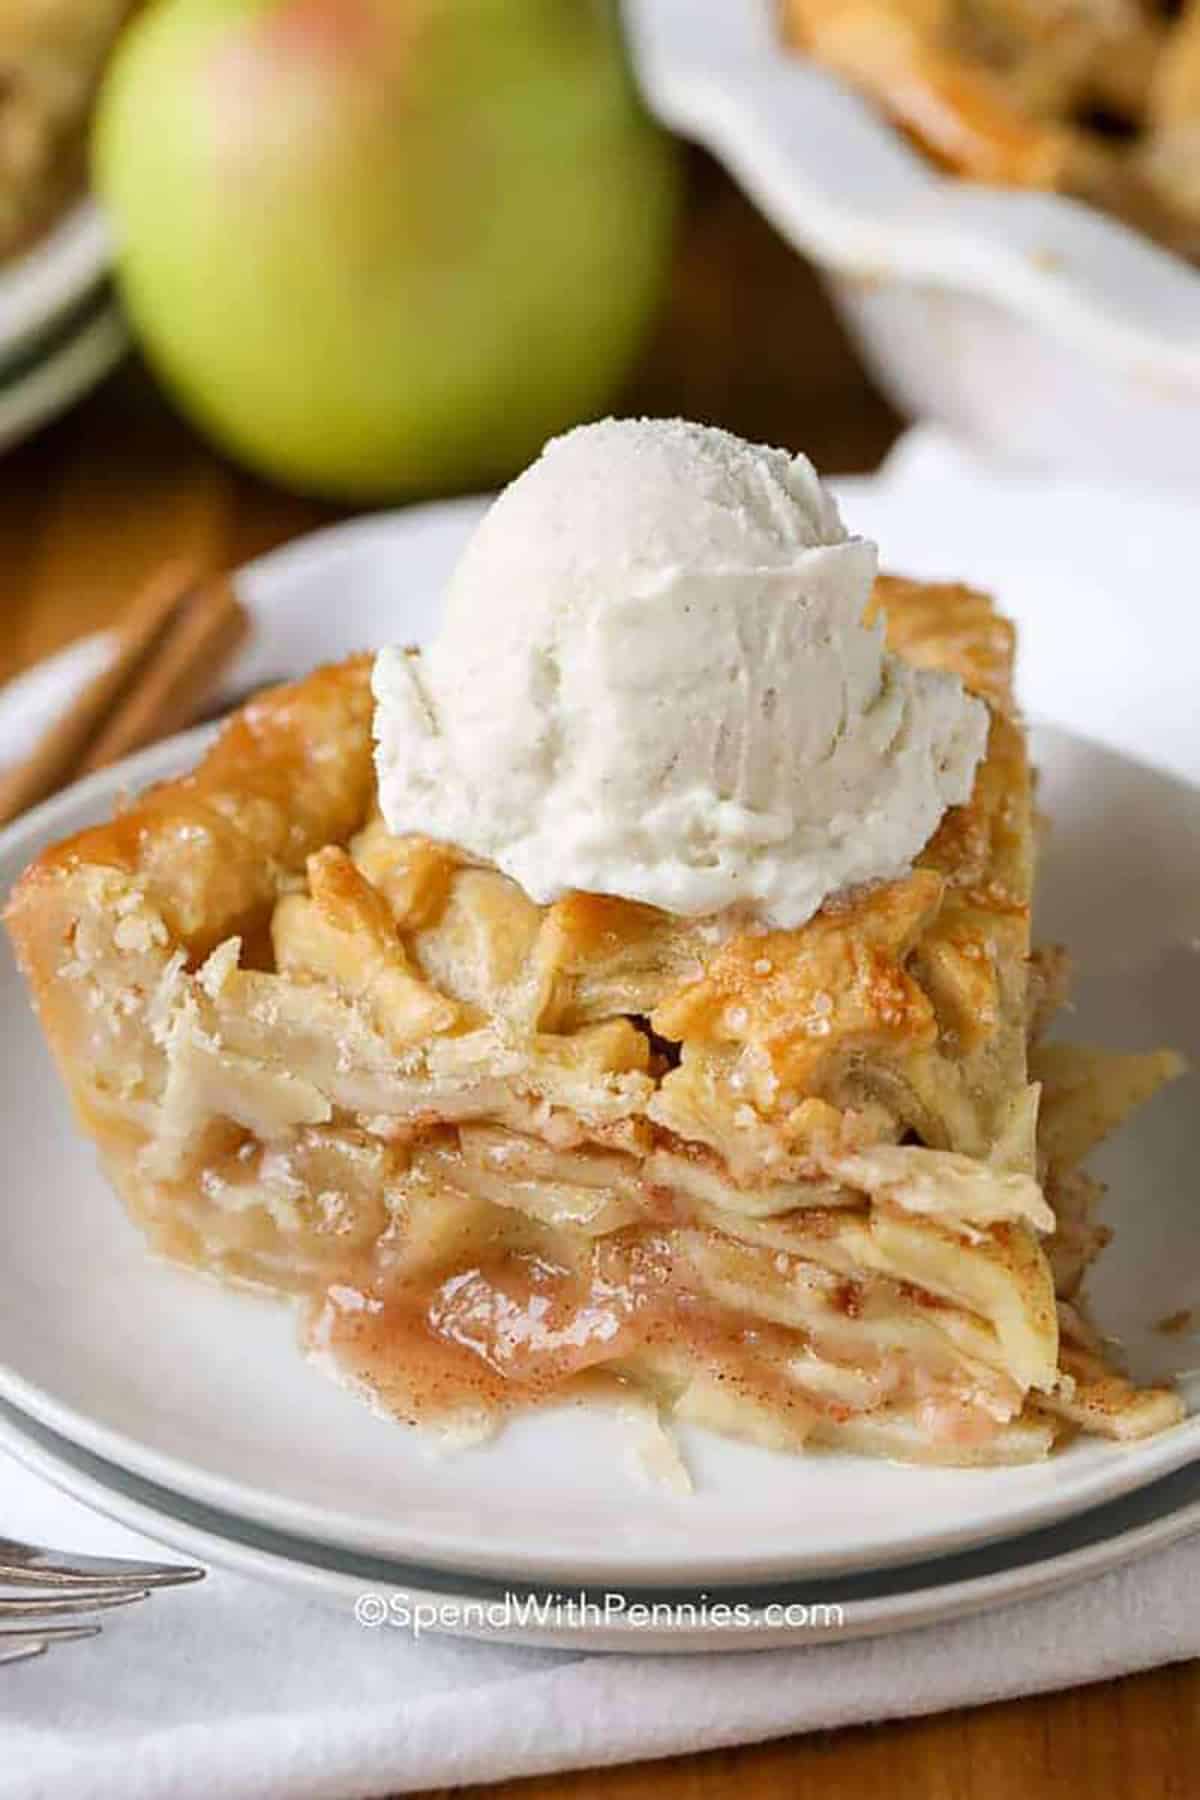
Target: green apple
column 384, row 246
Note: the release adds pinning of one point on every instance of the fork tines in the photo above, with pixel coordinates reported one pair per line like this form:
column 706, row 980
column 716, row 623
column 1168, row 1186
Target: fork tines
column 32, row 1565
column 46, row 1597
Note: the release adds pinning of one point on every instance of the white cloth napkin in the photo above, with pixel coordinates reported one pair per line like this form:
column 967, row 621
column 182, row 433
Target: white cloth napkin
column 240, row 1690
column 237, row 1689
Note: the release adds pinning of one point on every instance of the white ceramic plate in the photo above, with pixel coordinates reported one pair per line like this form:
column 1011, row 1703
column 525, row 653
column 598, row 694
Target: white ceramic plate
column 1025, row 321
column 870, row 1605
column 204, row 1392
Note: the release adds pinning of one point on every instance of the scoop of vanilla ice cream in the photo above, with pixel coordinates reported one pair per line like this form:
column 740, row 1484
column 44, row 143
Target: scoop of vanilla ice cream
column 653, row 680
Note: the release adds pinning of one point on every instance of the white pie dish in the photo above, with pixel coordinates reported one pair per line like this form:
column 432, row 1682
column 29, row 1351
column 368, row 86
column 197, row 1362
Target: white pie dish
column 204, row 1391
column 1032, row 326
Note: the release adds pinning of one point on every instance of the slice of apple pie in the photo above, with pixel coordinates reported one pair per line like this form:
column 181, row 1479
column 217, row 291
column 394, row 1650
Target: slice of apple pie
column 805, row 1186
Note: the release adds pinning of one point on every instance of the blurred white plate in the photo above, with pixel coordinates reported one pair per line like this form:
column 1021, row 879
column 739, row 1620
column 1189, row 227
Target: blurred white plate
column 204, row 1391
column 52, row 276
column 1028, row 323
column 50, row 383
column 60, row 330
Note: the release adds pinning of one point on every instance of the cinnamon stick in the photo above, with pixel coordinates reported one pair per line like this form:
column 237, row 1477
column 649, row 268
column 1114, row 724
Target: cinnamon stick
column 171, row 648
column 209, row 624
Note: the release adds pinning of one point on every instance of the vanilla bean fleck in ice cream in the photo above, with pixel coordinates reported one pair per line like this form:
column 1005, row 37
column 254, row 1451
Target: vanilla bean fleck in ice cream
column 652, row 679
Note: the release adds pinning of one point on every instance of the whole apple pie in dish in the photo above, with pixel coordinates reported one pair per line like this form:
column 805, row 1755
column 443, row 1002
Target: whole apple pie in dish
column 809, row 1186
column 1099, row 99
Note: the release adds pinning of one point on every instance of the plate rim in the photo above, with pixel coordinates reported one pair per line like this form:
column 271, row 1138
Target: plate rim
column 103, row 1486
column 257, row 582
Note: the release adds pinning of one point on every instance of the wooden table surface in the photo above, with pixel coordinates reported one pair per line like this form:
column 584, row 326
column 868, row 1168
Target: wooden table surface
column 747, row 341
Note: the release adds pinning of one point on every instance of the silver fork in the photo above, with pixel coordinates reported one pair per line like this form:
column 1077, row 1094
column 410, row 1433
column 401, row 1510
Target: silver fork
column 52, row 1587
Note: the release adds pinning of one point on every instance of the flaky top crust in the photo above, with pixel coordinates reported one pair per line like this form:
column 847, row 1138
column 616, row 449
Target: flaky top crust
column 213, row 849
